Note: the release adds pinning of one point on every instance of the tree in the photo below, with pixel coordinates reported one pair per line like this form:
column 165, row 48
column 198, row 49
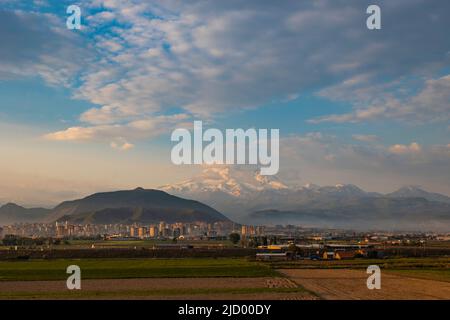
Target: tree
column 256, row 242
column 264, row 241
column 234, row 238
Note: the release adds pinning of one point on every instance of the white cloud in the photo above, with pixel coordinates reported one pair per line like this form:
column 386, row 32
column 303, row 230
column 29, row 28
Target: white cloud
column 72, row 134
column 327, row 160
column 136, row 129
column 121, row 144
column 430, row 104
column 405, row 149
column 210, row 58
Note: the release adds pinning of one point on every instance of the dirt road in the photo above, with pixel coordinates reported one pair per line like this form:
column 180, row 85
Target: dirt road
column 159, row 288
column 344, row 284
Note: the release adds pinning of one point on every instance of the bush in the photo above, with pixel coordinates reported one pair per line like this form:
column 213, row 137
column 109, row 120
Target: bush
column 234, row 238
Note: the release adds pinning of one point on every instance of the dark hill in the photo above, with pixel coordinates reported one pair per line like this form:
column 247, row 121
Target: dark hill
column 138, row 205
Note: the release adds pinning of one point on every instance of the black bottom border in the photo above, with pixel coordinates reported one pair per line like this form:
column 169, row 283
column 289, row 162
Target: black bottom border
column 183, row 309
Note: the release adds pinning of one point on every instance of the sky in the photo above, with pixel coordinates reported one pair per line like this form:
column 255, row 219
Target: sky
column 92, row 109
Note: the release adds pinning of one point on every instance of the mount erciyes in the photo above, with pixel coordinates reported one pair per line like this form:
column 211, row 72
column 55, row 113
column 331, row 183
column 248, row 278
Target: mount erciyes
column 248, row 197
column 138, row 205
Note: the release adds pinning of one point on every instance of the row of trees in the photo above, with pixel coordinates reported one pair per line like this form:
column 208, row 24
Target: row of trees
column 13, row 240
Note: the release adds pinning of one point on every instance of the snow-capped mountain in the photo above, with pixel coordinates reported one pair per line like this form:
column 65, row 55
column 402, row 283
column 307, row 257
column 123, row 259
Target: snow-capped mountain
column 247, row 197
column 238, row 192
column 233, row 182
column 235, row 192
column 246, row 183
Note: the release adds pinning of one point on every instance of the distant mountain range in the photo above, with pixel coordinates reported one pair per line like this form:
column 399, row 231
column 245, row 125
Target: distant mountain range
column 416, row 192
column 138, row 205
column 12, row 213
column 250, row 198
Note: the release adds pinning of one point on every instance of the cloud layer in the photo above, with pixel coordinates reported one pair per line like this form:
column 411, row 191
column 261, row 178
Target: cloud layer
column 325, row 159
column 37, row 44
column 209, row 58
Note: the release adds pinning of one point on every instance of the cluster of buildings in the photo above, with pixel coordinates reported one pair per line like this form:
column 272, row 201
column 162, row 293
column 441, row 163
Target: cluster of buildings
column 177, row 230
column 122, row 231
column 279, row 234
column 251, row 231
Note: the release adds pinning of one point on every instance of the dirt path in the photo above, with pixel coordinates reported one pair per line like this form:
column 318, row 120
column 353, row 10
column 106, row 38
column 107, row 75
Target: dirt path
column 140, row 288
column 343, row 284
column 136, row 284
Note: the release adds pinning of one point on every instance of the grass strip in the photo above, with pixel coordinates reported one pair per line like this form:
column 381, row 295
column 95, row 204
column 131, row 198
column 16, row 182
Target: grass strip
column 134, row 268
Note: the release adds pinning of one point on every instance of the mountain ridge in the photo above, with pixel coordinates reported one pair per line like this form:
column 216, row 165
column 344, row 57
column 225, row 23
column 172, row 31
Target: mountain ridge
column 311, row 201
column 247, row 198
column 152, row 202
column 13, row 213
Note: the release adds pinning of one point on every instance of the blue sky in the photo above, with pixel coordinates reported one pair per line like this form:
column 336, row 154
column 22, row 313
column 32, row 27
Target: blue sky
column 89, row 109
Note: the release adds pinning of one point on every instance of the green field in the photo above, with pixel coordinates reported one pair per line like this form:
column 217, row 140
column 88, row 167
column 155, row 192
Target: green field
column 141, row 243
column 430, row 263
column 133, row 268
column 148, row 243
column 33, row 270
